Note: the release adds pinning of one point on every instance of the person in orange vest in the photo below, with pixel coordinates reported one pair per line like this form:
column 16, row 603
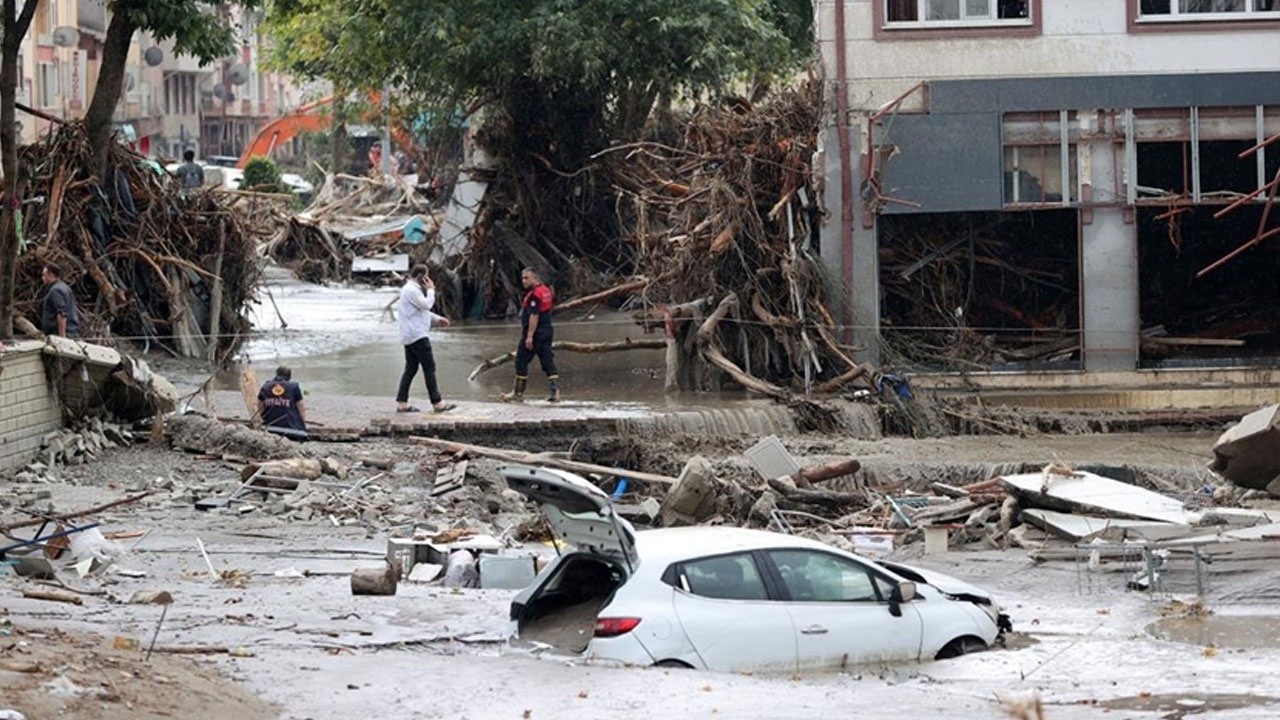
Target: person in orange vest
column 536, row 336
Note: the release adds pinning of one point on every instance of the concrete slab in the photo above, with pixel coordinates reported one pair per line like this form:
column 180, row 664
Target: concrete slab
column 1094, row 494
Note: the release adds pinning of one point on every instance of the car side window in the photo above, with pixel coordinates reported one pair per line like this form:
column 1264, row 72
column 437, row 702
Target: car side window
column 821, row 577
column 725, row 577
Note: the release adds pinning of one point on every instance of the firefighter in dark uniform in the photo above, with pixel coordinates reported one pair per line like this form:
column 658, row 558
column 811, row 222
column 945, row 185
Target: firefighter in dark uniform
column 281, row 407
column 536, row 334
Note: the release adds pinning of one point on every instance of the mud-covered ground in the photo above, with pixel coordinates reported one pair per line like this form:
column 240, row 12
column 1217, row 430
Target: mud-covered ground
column 294, row 643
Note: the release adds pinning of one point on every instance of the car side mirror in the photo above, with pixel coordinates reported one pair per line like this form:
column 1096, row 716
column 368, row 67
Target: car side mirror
column 906, row 591
column 902, row 592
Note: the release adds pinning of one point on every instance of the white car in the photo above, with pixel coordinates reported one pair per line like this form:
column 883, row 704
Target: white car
column 731, row 599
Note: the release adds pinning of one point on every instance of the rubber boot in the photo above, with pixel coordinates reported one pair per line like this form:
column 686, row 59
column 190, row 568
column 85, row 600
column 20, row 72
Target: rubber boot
column 554, row 382
column 517, row 391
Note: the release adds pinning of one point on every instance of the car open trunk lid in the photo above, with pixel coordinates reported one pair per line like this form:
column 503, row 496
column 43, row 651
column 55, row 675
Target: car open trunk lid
column 580, row 513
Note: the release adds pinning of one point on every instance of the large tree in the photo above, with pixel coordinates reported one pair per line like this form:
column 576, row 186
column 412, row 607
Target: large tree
column 558, row 81
column 197, row 29
column 14, row 25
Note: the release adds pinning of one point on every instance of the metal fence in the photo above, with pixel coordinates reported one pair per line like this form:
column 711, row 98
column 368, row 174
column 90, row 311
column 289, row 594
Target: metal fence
column 1160, row 571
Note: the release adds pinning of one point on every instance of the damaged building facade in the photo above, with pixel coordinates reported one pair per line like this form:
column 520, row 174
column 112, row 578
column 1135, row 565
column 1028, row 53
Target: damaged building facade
column 1058, row 188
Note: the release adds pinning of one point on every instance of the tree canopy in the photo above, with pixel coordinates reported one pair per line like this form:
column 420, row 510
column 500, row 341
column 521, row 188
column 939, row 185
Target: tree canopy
column 558, row 82
column 624, row 52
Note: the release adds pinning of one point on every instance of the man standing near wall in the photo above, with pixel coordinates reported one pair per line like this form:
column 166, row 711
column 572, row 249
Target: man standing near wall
column 536, row 336
column 58, row 313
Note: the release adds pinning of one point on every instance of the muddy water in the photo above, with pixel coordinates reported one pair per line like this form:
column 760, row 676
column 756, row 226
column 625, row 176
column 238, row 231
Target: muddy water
column 1249, row 632
column 341, row 340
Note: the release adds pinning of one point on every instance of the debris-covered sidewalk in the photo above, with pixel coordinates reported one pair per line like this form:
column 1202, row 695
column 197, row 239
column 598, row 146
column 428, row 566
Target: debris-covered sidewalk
column 329, row 577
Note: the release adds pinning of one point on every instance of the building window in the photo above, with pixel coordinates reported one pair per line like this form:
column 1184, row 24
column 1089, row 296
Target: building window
column 957, row 13
column 1040, row 160
column 1202, row 10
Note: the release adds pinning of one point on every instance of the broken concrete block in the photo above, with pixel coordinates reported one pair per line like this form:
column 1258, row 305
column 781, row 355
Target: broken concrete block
column 1248, row 453
column 506, row 572
column 151, row 597
column 375, row 581
column 692, row 497
column 645, row 512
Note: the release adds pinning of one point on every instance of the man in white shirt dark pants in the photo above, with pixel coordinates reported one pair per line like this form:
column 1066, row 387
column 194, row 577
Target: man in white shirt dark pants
column 417, row 297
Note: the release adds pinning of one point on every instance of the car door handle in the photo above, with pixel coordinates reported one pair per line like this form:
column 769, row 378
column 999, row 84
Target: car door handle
column 814, row 630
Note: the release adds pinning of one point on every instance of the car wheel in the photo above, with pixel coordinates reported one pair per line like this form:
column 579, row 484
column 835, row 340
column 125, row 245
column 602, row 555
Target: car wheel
column 960, row 646
column 673, row 664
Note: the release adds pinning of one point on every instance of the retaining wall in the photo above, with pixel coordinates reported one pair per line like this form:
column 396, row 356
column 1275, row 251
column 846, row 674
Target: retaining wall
column 28, row 408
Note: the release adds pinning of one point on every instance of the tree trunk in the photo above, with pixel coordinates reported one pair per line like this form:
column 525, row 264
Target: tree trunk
column 97, row 120
column 14, row 28
column 339, row 136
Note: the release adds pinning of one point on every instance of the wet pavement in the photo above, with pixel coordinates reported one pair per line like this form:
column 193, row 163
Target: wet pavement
column 1221, row 631
column 342, row 340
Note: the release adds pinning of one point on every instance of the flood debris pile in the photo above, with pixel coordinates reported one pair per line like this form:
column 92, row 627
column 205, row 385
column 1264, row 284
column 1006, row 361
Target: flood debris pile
column 357, row 228
column 724, row 232
column 147, row 261
column 979, row 291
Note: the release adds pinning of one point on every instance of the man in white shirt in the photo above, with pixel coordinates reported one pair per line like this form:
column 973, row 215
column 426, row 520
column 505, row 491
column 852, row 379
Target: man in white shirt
column 417, row 297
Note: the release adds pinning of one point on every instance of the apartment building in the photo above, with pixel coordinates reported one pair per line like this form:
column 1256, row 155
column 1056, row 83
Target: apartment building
column 170, row 103
column 1060, row 184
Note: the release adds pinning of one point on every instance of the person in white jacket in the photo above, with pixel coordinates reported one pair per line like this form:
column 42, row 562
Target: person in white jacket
column 417, row 297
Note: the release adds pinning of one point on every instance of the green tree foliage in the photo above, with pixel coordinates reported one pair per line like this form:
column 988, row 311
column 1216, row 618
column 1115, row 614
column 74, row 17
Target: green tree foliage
column 261, row 174
column 624, row 52
column 197, row 29
column 556, row 81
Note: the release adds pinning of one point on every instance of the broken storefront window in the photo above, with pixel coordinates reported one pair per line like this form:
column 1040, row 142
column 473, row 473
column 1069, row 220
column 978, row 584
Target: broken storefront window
column 1208, row 9
column 1194, row 154
column 956, row 11
column 1040, row 162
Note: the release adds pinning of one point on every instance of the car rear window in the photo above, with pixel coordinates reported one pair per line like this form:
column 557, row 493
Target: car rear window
column 726, row 577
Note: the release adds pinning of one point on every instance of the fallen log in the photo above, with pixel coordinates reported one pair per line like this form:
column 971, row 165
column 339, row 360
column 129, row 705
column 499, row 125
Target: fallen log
column 626, row 287
column 375, row 580
column 818, row 473
column 54, row 596
column 571, row 346
column 524, row 458
column 817, row 497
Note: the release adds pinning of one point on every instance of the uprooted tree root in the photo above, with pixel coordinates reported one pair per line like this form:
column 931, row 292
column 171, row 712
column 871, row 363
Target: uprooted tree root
column 145, row 260
column 724, row 225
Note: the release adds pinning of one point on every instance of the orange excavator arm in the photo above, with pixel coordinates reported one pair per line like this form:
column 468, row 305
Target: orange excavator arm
column 312, row 117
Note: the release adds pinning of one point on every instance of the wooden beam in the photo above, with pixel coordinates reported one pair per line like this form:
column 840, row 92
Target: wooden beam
column 524, row 458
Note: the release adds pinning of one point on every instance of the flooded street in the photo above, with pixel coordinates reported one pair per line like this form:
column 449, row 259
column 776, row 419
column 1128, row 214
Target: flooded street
column 341, row 340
